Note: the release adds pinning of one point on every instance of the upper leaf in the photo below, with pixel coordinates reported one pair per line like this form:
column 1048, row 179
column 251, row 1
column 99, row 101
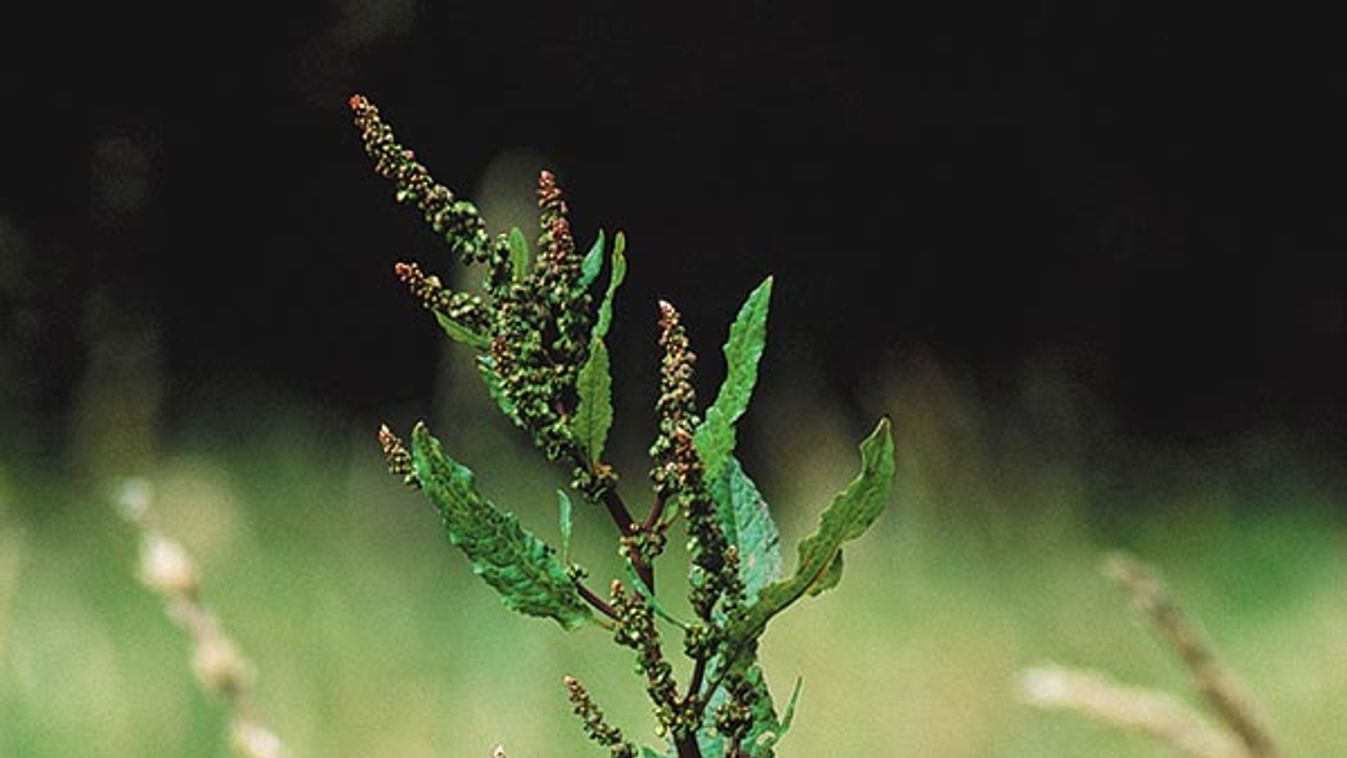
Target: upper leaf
column 519, row 254
column 592, row 263
column 747, row 523
column 594, row 413
column 615, row 277
column 518, row 565
column 564, row 517
column 748, row 337
column 850, row 514
column 460, row 332
column 830, row 578
column 487, row 371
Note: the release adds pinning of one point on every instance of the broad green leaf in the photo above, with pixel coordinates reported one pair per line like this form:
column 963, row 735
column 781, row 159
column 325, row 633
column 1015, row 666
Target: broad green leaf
column 748, row 524
column 592, row 263
column 850, row 514
column 564, row 515
column 748, row 337
column 460, row 333
column 497, row 392
column 518, row 565
column 519, row 254
column 650, row 752
column 715, row 442
column 615, row 277
column 594, row 413
column 831, row 578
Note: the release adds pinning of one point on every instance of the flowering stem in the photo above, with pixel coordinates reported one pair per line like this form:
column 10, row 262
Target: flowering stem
column 621, row 515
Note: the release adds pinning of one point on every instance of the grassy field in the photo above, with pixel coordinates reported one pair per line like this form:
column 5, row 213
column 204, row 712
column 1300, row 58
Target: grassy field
column 372, row 638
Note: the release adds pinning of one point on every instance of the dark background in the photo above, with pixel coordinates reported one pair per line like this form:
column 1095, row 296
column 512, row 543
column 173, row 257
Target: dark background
column 1156, row 195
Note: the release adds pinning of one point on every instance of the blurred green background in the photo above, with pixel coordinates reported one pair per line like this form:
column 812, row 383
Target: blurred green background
column 372, row 637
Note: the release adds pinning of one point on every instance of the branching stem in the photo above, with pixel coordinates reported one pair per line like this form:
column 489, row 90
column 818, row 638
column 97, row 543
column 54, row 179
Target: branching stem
column 698, row 674
column 601, row 605
column 620, row 514
column 656, row 512
column 687, row 747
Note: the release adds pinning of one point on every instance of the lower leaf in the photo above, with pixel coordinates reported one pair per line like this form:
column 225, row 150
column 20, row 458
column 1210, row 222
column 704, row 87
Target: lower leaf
column 519, row 566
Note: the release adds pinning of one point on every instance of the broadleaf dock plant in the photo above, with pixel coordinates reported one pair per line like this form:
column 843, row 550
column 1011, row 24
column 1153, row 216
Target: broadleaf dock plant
column 539, row 333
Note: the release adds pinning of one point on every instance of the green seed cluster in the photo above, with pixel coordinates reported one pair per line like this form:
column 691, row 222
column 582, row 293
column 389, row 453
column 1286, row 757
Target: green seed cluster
column 397, row 455
column 717, row 592
column 462, row 307
column 734, row 718
column 635, row 628
column 458, row 221
column 534, row 384
column 542, row 330
column 596, row 727
column 643, row 545
column 676, row 408
column 536, row 327
column 597, row 480
column 559, row 278
column 678, row 474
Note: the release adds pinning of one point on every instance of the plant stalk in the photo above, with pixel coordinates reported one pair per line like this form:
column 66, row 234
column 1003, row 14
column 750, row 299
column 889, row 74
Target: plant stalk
column 687, row 747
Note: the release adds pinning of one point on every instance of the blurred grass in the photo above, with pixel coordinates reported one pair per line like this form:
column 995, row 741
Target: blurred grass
column 372, row 637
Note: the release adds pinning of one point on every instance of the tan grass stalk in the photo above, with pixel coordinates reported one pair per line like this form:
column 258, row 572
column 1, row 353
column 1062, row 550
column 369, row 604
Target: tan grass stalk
column 1218, row 685
column 1240, row 733
column 1158, row 714
column 168, row 570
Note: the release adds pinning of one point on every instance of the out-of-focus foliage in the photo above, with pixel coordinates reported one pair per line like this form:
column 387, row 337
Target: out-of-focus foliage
column 366, row 631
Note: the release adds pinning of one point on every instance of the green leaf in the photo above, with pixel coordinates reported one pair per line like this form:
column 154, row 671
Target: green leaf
column 592, row 263
column 615, row 277
column 458, row 332
column 497, row 392
column 518, row 565
column 748, row 337
column 715, row 442
column 594, row 384
column 789, row 716
column 747, row 523
column 650, row 752
column 831, row 578
column 519, row 254
column 564, row 514
column 644, row 591
column 594, row 413
column 768, row 740
column 850, row 514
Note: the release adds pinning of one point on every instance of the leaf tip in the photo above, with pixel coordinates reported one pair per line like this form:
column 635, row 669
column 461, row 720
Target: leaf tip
column 421, row 435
